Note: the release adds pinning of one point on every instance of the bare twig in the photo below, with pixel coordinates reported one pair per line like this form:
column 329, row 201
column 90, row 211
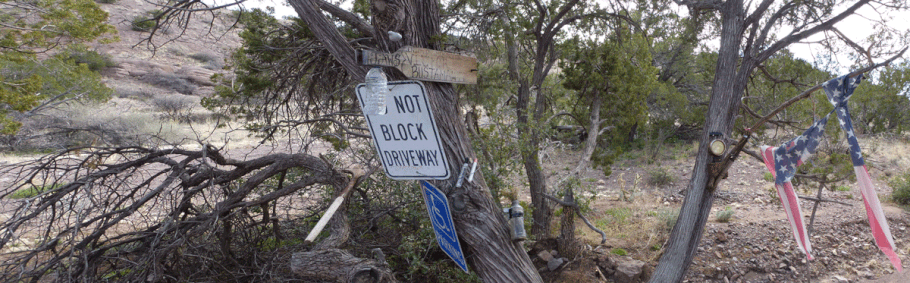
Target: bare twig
column 805, row 94
column 824, row 200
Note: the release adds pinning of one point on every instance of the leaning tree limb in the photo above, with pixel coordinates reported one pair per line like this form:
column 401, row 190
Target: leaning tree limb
column 603, row 236
column 327, row 262
column 805, row 94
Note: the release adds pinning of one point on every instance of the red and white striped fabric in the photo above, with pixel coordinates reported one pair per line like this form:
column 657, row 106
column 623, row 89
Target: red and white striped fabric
column 790, row 202
column 877, row 221
column 783, row 161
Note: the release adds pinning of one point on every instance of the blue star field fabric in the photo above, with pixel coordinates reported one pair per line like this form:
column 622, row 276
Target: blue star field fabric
column 783, row 160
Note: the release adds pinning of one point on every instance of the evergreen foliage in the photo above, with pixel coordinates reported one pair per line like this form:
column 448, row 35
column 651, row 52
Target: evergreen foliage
column 620, row 72
column 282, row 74
column 29, row 83
column 34, row 27
column 92, row 59
column 883, row 105
column 779, row 79
column 901, row 187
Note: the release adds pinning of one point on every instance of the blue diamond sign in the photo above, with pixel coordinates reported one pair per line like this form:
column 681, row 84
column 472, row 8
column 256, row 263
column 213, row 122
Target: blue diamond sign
column 438, row 208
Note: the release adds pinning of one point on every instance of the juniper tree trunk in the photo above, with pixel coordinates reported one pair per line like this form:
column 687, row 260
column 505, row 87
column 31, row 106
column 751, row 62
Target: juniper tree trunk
column 593, row 131
column 729, row 83
column 481, row 227
column 569, row 247
column 529, row 135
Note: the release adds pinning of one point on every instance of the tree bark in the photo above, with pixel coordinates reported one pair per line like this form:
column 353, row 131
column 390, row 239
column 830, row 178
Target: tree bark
column 568, row 245
column 727, row 89
column 339, row 266
column 537, row 182
column 593, row 133
column 530, row 149
column 481, row 227
column 480, row 224
column 329, row 36
column 545, row 30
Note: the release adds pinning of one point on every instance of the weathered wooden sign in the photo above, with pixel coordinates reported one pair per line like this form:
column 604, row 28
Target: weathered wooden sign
column 426, row 64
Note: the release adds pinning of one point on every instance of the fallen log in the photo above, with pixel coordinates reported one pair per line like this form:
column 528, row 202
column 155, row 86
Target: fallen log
column 339, row 266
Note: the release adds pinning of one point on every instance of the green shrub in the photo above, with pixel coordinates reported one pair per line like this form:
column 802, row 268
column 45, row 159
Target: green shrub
column 211, row 61
column 204, row 57
column 901, row 186
column 725, row 215
column 772, row 195
column 142, row 23
column 170, row 81
column 619, row 252
column 91, row 58
column 668, row 217
column 32, row 191
column 145, row 22
column 619, row 215
column 106, row 1
column 769, row 177
column 138, row 94
column 659, row 177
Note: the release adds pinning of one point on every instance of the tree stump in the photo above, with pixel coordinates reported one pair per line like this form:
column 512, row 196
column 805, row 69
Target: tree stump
column 567, row 244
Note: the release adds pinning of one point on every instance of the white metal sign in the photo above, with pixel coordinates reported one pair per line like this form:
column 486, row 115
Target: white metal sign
column 406, row 137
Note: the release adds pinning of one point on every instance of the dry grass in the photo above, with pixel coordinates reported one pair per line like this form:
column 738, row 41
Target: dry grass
column 140, row 125
column 639, row 227
column 887, row 152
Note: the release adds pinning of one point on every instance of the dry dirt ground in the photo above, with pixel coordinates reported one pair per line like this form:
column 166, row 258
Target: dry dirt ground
column 753, row 246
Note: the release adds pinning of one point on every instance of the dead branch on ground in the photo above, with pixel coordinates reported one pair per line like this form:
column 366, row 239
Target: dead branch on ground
column 136, row 214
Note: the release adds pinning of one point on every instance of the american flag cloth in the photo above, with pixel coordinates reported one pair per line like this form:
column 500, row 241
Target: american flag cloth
column 783, row 160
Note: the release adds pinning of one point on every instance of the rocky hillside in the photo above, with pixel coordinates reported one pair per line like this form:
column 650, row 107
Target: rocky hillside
column 177, row 60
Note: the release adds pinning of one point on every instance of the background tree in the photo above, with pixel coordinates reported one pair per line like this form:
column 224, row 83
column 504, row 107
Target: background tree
column 613, row 80
column 28, row 83
column 885, row 105
column 536, row 28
